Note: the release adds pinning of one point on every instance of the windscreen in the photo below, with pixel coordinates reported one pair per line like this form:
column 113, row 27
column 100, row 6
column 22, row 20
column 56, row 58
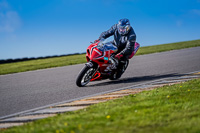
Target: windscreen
column 107, row 46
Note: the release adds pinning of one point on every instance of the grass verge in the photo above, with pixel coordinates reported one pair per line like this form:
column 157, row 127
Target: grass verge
column 167, row 109
column 77, row 59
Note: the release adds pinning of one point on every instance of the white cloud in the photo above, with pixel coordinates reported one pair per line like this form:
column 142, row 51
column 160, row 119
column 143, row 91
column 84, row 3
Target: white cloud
column 9, row 20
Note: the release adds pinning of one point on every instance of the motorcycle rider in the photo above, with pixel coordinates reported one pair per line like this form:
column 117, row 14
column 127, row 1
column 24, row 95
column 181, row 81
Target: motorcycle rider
column 124, row 40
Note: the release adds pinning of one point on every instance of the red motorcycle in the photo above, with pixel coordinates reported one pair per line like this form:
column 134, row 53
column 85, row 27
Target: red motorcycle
column 100, row 63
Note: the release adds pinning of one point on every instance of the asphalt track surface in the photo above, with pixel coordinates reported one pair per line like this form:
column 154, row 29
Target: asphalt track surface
column 28, row 90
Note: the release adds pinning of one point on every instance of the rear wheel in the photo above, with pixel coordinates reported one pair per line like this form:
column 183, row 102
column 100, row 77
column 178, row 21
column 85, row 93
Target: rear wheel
column 113, row 76
column 85, row 76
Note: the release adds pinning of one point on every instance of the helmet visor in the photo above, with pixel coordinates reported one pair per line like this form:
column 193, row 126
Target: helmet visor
column 122, row 29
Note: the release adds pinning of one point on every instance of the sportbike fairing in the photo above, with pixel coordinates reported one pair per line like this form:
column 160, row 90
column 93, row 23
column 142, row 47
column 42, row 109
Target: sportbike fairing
column 99, row 50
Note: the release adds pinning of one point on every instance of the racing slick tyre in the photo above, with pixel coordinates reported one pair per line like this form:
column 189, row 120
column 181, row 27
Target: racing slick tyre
column 85, row 76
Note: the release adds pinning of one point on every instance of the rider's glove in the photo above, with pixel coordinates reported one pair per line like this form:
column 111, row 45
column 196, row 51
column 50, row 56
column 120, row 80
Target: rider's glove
column 96, row 40
column 101, row 40
column 119, row 56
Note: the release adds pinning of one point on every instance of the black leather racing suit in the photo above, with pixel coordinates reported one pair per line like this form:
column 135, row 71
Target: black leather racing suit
column 124, row 43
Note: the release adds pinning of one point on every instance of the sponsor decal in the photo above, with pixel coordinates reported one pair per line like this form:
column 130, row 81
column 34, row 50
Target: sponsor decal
column 105, row 58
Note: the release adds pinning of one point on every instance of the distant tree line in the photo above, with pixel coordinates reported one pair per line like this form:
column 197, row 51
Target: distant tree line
column 34, row 58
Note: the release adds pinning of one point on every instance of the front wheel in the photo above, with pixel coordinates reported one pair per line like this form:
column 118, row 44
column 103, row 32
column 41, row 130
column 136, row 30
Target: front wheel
column 85, row 76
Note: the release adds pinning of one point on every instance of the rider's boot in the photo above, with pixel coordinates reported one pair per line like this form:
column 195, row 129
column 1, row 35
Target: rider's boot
column 113, row 64
column 121, row 68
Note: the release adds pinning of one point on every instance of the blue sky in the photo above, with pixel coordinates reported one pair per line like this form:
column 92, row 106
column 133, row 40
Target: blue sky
column 33, row 28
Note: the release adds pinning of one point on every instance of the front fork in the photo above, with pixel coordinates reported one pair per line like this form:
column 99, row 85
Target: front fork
column 95, row 74
column 89, row 64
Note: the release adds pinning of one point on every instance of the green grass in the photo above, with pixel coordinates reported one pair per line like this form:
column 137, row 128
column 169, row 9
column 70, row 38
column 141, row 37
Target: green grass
column 168, row 47
column 163, row 110
column 41, row 64
column 77, row 59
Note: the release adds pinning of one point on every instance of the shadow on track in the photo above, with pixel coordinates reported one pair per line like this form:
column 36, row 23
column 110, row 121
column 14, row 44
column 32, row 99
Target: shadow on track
column 136, row 79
